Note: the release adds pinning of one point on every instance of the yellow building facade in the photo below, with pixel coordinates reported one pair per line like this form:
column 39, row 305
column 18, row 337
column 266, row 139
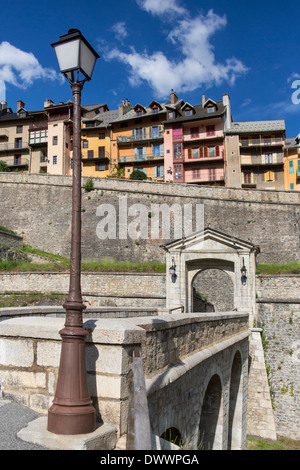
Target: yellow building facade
column 137, row 140
column 96, row 140
column 292, row 164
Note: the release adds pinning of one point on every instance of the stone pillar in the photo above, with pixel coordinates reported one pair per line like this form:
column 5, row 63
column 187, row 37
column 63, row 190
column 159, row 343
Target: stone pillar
column 260, row 413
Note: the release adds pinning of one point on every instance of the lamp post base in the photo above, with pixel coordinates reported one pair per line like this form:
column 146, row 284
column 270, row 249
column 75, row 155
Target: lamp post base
column 72, row 411
column 71, row 420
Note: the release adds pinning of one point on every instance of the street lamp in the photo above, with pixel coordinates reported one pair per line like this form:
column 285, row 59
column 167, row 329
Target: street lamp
column 72, row 411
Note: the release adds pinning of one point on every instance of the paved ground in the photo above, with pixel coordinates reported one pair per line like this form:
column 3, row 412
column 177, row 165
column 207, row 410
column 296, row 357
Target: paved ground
column 13, row 418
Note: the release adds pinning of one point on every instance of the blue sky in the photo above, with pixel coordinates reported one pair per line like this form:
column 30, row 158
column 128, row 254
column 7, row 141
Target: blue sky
column 147, row 47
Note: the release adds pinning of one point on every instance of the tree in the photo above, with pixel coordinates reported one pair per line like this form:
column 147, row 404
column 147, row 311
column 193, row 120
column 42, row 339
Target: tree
column 4, row 166
column 138, row 175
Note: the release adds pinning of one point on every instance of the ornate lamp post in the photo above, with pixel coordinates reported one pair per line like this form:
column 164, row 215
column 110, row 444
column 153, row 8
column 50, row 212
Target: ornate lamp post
column 72, row 411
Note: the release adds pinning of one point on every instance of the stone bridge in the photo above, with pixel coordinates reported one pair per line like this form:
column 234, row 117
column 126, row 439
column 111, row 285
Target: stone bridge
column 196, row 365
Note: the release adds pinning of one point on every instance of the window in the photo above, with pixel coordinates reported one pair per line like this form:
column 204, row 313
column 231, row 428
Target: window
column 171, row 115
column 292, row 186
column 19, row 129
column 155, row 110
column 188, row 112
column 203, row 152
column 17, row 160
column 101, row 152
column 156, row 150
column 101, row 166
column 298, row 167
column 85, row 144
column 177, row 172
column 247, row 178
column 177, row 133
column 102, row 135
column 54, row 160
column 210, row 109
column 18, row 143
column 194, row 132
column 90, row 154
column 196, row 173
column 139, row 113
column 177, row 151
column 36, row 137
column 291, row 167
column 269, row 176
column 54, row 140
column 210, row 130
column 268, row 158
column 211, row 151
column 155, row 132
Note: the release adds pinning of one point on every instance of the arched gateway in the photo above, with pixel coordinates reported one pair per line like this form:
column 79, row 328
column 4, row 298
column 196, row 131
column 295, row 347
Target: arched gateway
column 207, row 249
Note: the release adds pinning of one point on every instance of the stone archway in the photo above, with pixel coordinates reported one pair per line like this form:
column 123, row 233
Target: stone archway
column 206, row 249
column 207, row 295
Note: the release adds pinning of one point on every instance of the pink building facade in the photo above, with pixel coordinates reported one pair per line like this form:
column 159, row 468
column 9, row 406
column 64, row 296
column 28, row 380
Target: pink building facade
column 194, row 142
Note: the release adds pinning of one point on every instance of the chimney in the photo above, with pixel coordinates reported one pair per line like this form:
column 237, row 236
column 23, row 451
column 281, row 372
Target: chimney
column 173, row 97
column 203, row 100
column 124, row 107
column 20, row 104
column 48, row 103
column 3, row 105
column 228, row 118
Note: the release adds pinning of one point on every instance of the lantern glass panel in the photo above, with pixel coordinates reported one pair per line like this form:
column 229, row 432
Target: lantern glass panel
column 87, row 60
column 67, row 54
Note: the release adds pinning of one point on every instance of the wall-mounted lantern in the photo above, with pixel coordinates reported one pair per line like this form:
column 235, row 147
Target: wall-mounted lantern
column 244, row 273
column 172, row 270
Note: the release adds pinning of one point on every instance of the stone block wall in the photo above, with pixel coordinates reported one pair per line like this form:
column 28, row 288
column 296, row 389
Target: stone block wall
column 10, row 240
column 278, row 314
column 38, row 207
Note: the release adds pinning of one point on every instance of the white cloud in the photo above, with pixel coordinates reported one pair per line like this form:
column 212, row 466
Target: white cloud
column 161, row 7
column 196, row 64
column 21, row 68
column 120, row 30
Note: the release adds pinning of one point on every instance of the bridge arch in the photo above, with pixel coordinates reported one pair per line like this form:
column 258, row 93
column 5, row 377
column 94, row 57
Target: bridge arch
column 235, row 431
column 210, row 435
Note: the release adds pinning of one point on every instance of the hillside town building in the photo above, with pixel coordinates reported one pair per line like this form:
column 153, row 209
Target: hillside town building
column 173, row 141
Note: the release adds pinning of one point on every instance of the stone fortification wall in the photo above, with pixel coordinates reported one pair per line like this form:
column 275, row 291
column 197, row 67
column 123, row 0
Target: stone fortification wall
column 278, row 308
column 38, row 207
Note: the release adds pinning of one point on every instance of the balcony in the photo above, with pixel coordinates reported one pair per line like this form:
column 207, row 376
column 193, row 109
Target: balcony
column 94, row 155
column 3, row 134
column 218, row 134
column 190, row 157
column 212, row 175
column 141, row 158
column 18, row 162
column 263, row 141
column 7, row 147
column 262, row 159
column 140, row 137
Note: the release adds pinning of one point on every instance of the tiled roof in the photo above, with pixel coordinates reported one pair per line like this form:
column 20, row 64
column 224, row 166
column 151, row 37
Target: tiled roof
column 132, row 114
column 291, row 143
column 200, row 113
column 256, row 126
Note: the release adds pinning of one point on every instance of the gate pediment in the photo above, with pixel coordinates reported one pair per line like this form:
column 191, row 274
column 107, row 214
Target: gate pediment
column 210, row 240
